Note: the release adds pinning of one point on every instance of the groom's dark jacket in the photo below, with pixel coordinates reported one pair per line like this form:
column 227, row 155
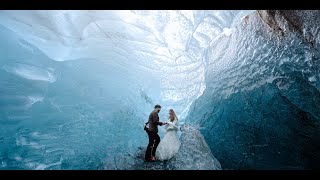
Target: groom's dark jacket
column 154, row 121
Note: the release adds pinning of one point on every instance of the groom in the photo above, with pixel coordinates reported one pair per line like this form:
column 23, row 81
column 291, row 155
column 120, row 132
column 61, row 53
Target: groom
column 152, row 131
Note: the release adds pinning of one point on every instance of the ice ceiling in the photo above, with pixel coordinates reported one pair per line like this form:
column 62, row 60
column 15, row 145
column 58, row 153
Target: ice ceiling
column 77, row 86
column 165, row 47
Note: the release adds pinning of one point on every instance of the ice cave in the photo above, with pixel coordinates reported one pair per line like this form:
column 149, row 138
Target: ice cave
column 77, row 86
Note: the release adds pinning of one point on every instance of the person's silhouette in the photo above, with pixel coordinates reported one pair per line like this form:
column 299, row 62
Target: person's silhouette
column 152, row 131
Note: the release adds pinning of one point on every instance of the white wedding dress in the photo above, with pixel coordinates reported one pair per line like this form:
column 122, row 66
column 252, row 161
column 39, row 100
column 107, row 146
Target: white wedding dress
column 170, row 144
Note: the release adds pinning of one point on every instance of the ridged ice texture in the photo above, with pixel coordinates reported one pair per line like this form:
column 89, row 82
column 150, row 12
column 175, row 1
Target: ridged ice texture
column 77, row 86
column 261, row 106
column 194, row 153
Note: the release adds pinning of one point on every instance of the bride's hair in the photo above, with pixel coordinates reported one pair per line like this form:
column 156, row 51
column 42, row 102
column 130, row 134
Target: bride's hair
column 172, row 115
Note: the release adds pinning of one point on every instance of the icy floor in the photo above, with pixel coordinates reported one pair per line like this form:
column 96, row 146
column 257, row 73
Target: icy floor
column 194, row 154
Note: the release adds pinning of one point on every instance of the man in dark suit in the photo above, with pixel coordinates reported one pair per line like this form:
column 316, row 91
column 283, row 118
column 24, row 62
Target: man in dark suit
column 152, row 131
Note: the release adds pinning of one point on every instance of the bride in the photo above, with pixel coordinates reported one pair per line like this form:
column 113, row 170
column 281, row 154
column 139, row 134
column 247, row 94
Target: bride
column 170, row 144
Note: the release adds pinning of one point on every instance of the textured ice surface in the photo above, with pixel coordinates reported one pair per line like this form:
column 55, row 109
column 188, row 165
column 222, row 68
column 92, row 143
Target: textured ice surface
column 194, row 154
column 261, row 106
column 77, row 86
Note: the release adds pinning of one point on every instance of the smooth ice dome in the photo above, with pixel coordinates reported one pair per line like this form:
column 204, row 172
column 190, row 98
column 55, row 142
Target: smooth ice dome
column 77, row 86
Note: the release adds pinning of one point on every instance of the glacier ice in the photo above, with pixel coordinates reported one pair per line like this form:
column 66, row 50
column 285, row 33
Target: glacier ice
column 260, row 109
column 194, row 154
column 77, row 86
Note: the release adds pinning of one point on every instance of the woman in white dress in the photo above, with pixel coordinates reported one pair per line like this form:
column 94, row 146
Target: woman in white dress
column 170, row 143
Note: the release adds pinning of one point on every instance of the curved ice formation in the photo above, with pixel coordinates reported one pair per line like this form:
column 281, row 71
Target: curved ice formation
column 85, row 81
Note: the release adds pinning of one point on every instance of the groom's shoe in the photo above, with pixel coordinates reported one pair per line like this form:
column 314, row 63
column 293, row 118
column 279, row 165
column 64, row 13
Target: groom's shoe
column 150, row 159
column 153, row 158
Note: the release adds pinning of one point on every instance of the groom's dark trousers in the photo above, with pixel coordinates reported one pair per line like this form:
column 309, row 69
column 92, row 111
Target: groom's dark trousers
column 152, row 131
column 154, row 141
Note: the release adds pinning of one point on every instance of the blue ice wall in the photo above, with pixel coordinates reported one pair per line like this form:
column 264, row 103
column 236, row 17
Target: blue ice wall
column 261, row 110
column 65, row 115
